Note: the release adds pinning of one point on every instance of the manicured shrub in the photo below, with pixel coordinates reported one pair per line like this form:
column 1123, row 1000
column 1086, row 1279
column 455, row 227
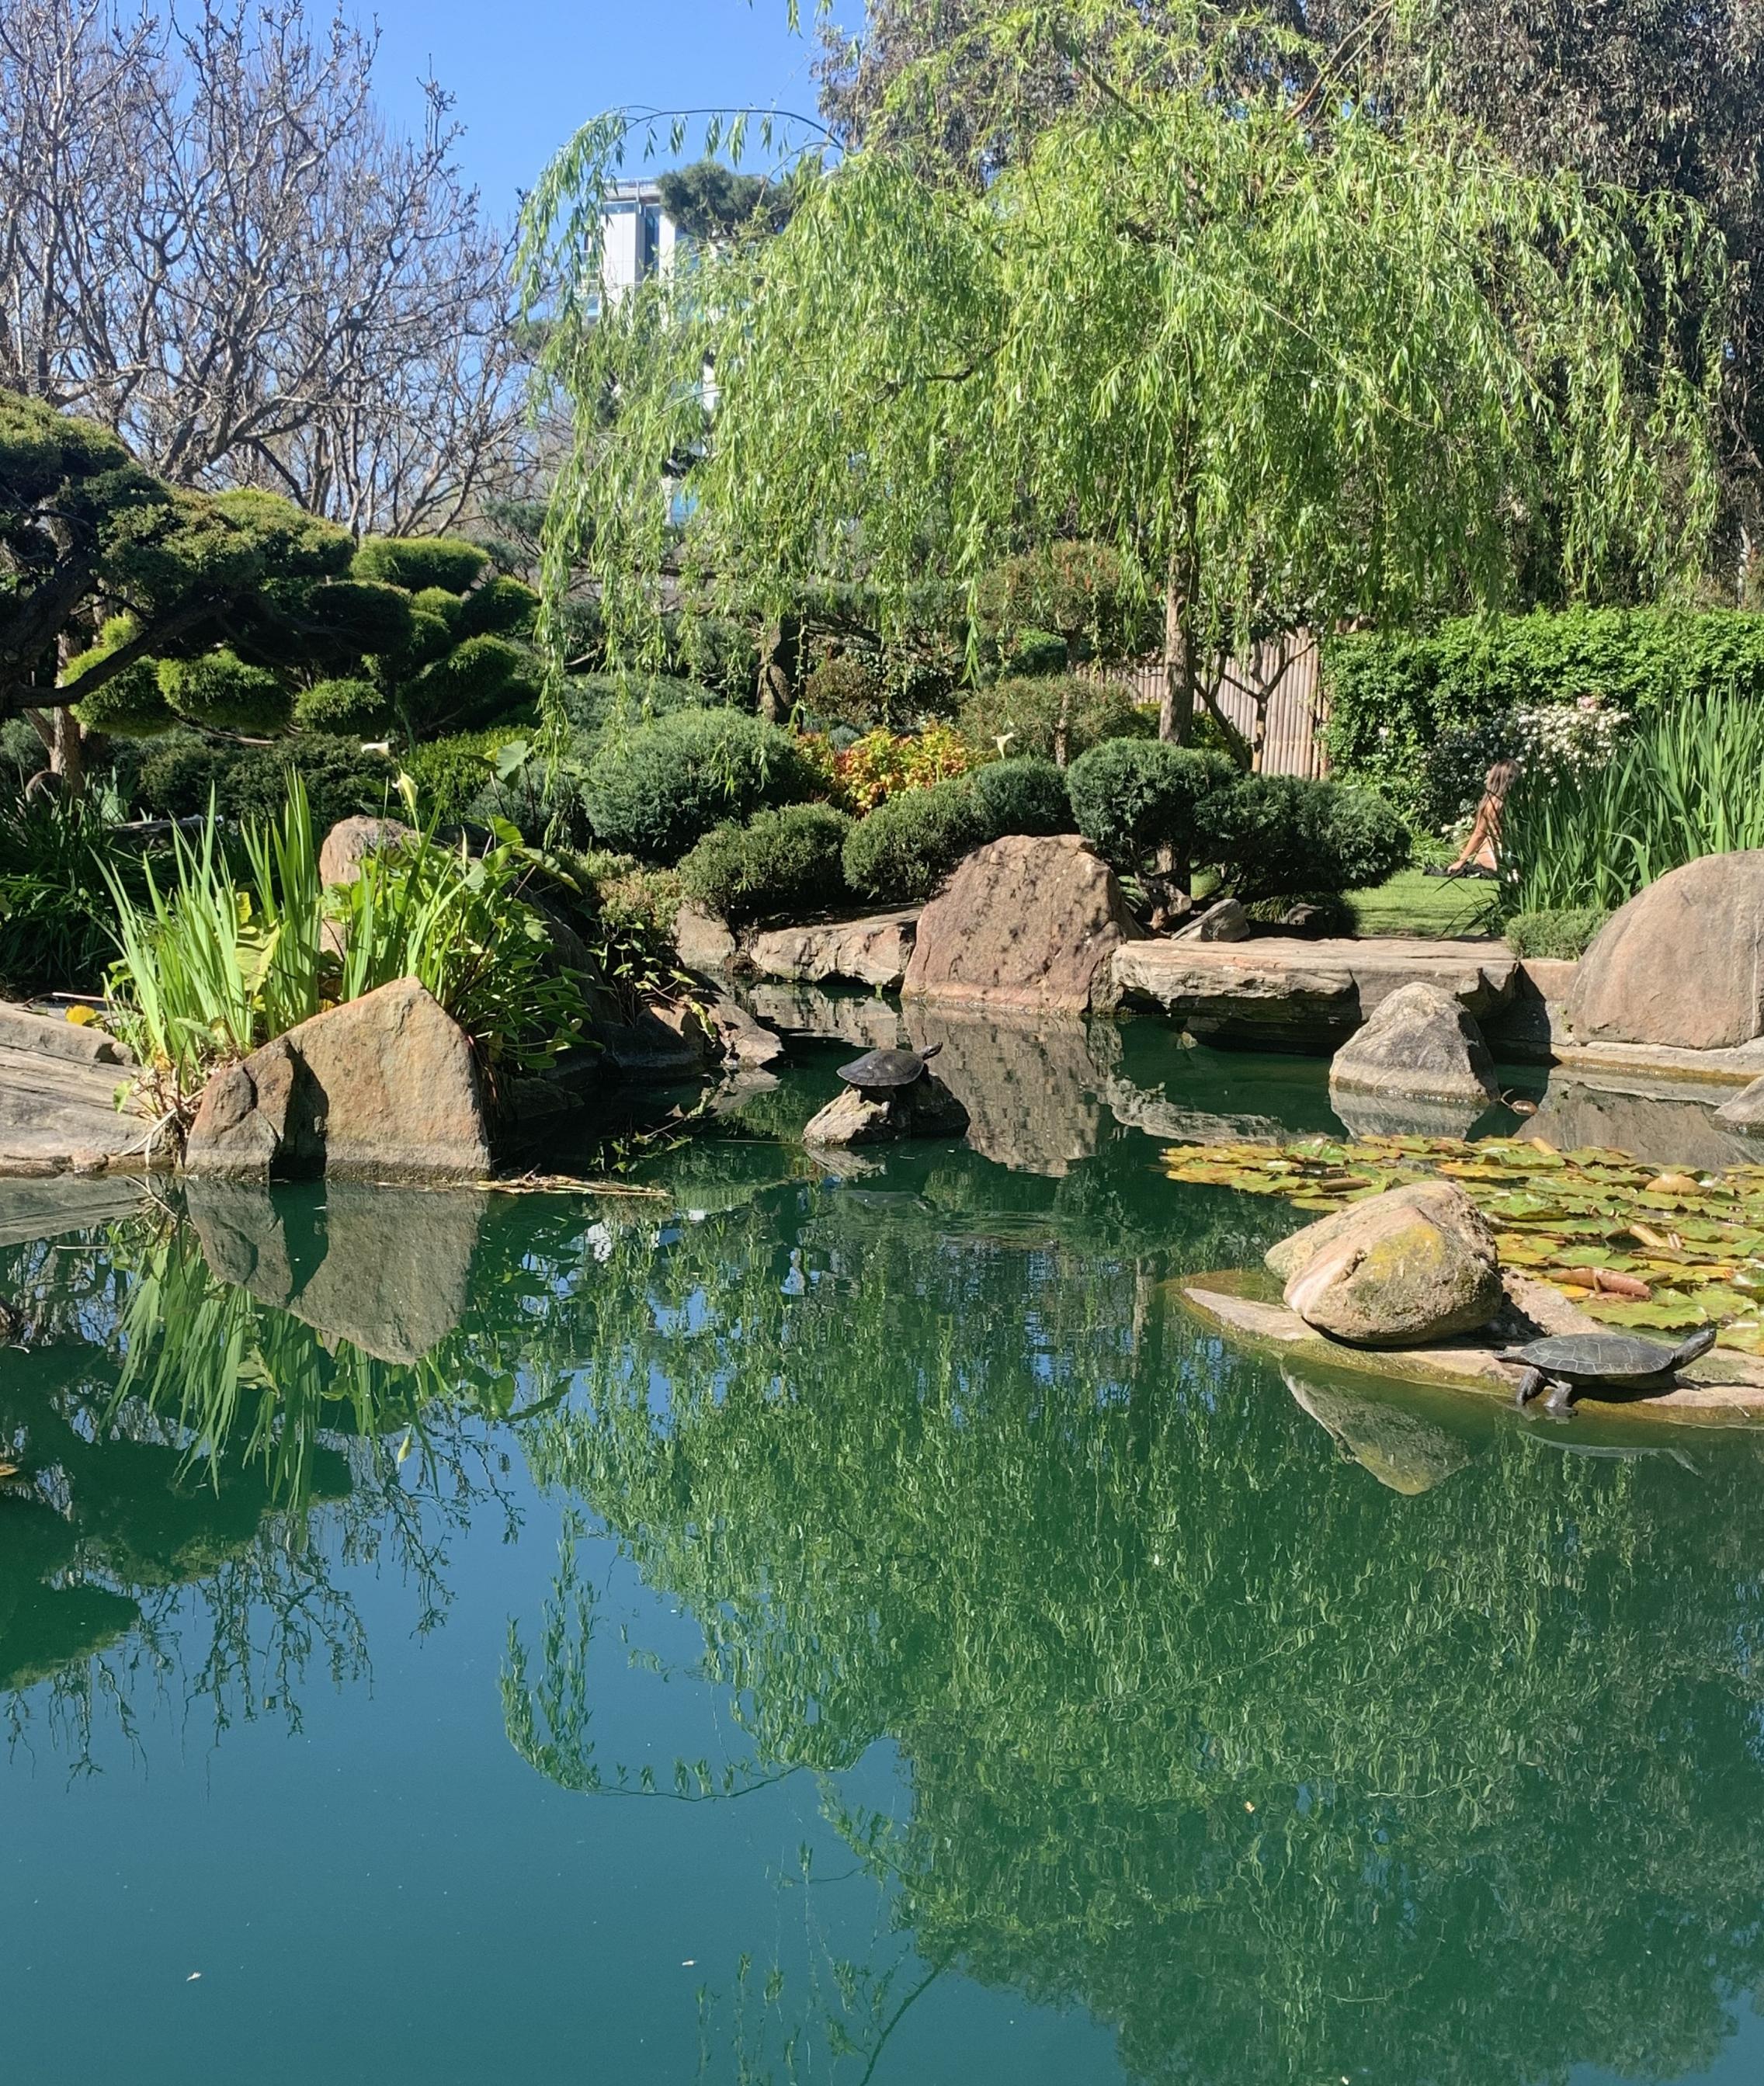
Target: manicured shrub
column 1562, row 931
column 341, row 706
column 654, row 791
column 1275, row 835
column 219, row 690
column 592, row 701
column 129, row 705
column 1027, row 796
column 416, row 562
column 501, row 607
column 780, row 863
column 361, row 616
column 449, row 773
column 1029, row 715
column 905, row 850
column 476, row 680
column 845, row 688
column 1132, row 796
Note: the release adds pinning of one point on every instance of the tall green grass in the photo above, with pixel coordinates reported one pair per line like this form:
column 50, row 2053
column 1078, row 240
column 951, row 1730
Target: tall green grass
column 1688, row 782
column 227, row 951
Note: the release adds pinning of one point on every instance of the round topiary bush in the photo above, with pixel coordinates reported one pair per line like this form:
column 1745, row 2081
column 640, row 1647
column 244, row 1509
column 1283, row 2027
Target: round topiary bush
column 502, row 606
column 341, row 706
column 654, row 791
column 1027, row 796
column 1131, row 796
column 129, row 705
column 1278, row 835
column 478, row 679
column 785, row 862
column 220, row 690
column 903, row 851
column 416, row 562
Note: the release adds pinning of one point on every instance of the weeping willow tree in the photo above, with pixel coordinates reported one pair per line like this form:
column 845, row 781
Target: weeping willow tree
column 1294, row 362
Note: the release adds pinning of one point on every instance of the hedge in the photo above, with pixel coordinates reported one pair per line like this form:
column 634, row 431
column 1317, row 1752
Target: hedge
column 1285, row 836
column 1393, row 697
column 1026, row 796
column 1131, row 796
column 903, row 851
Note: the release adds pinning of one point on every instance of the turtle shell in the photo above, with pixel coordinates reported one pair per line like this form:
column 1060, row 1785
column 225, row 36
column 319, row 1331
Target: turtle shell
column 1598, row 1357
column 881, row 1069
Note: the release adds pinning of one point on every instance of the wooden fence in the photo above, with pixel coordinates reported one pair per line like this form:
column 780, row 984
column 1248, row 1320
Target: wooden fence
column 1292, row 734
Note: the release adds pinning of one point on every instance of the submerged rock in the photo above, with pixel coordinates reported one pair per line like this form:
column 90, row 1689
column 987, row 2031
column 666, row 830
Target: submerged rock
column 1417, row 1263
column 1029, row 924
column 925, row 1108
column 1420, row 1044
column 1682, row 963
column 383, row 1085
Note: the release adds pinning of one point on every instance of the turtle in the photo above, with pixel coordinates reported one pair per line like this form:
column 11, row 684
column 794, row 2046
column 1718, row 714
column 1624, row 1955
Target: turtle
column 881, row 1071
column 1568, row 1362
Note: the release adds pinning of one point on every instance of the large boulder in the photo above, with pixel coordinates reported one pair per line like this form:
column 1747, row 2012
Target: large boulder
column 873, row 951
column 383, row 1086
column 1419, row 1045
column 1029, row 923
column 1415, row 1264
column 351, row 841
column 1682, row 965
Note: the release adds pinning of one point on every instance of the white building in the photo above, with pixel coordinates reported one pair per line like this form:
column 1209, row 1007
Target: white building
column 638, row 237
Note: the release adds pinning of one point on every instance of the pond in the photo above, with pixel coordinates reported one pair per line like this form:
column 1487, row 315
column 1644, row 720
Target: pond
column 786, row 1626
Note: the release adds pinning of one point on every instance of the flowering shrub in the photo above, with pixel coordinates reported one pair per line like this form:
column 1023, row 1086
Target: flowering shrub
column 1545, row 738
column 883, row 764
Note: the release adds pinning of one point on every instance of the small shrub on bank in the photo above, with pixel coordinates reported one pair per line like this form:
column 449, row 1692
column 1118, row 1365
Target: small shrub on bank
column 654, row 792
column 786, row 862
column 1130, row 797
column 1566, row 931
column 1275, row 835
column 1027, row 796
column 903, row 851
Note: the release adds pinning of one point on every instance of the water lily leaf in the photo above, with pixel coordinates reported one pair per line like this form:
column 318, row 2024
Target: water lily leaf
column 1669, row 1315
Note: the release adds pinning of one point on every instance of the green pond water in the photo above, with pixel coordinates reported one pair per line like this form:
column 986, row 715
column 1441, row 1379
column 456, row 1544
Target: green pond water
column 813, row 1628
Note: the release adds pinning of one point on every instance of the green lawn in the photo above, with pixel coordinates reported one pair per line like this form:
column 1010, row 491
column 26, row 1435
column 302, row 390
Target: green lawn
column 1412, row 904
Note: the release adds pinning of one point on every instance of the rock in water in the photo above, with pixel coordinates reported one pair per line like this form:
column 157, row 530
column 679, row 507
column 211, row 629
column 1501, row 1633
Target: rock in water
column 1415, row 1264
column 385, row 1085
column 1026, row 923
column 1418, row 1045
column 1682, row 963
column 925, row 1109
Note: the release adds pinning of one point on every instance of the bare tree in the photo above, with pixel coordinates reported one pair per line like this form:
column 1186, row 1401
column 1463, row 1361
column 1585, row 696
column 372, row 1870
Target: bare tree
column 210, row 242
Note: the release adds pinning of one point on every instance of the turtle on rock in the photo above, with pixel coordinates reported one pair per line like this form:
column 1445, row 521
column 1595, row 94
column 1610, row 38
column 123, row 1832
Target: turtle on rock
column 883, row 1072
column 1568, row 1362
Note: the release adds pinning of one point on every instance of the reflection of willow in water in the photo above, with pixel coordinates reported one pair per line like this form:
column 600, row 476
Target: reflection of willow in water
column 190, row 1467
column 1285, row 1775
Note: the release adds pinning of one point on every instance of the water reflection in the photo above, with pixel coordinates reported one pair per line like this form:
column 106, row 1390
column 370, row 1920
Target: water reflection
column 1291, row 1730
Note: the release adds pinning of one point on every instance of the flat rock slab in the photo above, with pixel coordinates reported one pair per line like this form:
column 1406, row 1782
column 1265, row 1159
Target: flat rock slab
column 874, row 951
column 1735, row 1066
column 53, row 1035
column 1279, row 986
column 59, row 1117
column 1722, row 1388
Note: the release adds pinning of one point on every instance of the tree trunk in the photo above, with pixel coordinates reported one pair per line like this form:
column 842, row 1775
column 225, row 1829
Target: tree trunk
column 1062, row 723
column 1176, row 712
column 68, row 753
column 778, row 650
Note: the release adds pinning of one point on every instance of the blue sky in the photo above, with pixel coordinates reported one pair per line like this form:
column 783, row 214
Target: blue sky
column 524, row 73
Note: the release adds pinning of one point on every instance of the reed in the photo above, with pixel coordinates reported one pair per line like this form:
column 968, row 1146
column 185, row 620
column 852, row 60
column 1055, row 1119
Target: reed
column 1689, row 782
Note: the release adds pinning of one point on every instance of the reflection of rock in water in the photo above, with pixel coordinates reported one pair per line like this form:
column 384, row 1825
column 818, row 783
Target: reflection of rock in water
column 1139, row 1109
column 838, row 1017
column 1402, row 1450
column 41, row 1209
column 1032, row 1089
column 386, row 1269
column 1653, row 1123
column 1374, row 1115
